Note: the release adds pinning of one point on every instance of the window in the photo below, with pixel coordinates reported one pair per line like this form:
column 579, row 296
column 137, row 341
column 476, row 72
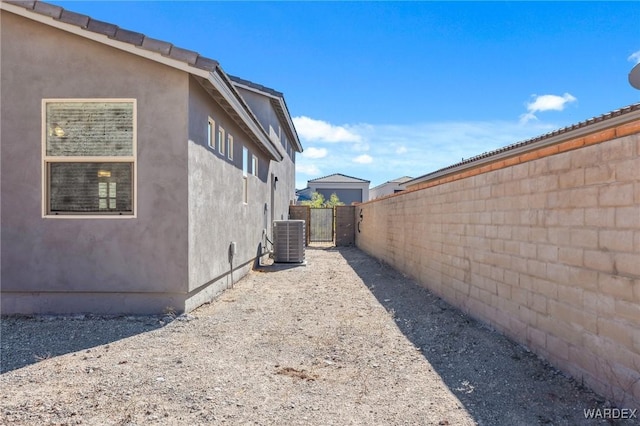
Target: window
column 89, row 157
column 245, row 173
column 211, row 128
column 220, row 140
column 254, row 165
column 230, row 147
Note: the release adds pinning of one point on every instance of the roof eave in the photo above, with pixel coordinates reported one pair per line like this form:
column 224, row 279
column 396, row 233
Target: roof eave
column 278, row 102
column 284, row 113
column 225, row 87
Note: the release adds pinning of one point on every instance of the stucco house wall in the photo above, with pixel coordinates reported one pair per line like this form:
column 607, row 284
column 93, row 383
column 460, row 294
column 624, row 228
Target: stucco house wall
column 541, row 243
column 218, row 214
column 99, row 265
column 262, row 102
column 174, row 252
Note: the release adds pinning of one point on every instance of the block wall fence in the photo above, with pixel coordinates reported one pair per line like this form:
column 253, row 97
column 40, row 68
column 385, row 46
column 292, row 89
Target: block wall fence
column 543, row 246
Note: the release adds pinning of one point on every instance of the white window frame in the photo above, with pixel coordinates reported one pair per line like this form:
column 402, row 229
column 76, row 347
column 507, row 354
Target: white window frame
column 47, row 160
column 254, row 165
column 220, row 140
column 230, row 147
column 245, row 175
column 211, row 133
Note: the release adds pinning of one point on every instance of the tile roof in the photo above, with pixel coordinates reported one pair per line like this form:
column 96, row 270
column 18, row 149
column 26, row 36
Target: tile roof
column 339, row 178
column 530, row 143
column 277, row 102
column 256, row 86
column 120, row 34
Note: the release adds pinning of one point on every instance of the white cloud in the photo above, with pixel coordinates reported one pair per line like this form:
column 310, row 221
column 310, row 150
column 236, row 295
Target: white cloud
column 634, row 57
column 318, row 130
column 361, row 147
column 546, row 103
column 431, row 146
column 312, row 152
column 308, row 169
column 363, row 159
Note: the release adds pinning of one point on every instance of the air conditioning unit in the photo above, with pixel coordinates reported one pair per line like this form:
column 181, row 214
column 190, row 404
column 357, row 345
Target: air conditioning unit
column 288, row 243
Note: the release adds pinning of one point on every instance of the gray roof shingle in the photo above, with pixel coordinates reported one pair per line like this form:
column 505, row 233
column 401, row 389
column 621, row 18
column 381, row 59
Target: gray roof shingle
column 155, row 45
column 48, row 9
column 130, row 37
column 73, row 18
column 101, row 27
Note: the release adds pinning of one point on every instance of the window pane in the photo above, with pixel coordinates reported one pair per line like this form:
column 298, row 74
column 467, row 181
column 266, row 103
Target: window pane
column 221, row 140
column 90, row 129
column 90, row 187
column 245, row 161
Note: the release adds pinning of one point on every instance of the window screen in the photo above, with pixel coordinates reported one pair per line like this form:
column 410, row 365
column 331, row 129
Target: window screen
column 89, row 157
column 90, row 129
column 90, row 187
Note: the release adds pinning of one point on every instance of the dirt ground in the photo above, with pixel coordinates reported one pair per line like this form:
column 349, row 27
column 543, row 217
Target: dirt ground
column 344, row 340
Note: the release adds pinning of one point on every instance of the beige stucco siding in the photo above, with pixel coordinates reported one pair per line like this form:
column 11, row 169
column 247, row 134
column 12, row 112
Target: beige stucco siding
column 136, row 262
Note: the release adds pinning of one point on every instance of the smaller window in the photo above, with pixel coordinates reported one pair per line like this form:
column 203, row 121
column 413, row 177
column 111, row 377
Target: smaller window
column 245, row 161
column 211, row 128
column 254, row 165
column 221, row 140
column 245, row 172
column 230, row 147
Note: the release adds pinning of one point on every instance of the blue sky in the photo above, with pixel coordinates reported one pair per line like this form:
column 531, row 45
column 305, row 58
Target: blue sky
column 380, row 90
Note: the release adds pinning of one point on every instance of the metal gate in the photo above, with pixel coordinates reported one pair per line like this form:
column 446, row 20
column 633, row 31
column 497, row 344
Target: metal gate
column 322, row 225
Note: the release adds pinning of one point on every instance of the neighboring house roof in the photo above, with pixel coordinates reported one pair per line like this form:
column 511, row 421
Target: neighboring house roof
column 338, row 178
column 399, row 180
column 303, row 194
column 206, row 71
column 591, row 125
column 277, row 102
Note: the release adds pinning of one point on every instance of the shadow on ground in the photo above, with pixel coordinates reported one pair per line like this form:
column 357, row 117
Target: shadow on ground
column 498, row 381
column 27, row 340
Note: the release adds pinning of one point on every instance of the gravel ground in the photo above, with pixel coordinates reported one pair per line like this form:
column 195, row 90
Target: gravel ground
column 343, row 340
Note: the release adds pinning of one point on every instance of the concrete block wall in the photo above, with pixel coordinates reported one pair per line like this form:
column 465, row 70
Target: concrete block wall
column 544, row 247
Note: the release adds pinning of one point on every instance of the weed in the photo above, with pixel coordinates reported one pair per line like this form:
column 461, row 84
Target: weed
column 42, row 357
column 170, row 311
